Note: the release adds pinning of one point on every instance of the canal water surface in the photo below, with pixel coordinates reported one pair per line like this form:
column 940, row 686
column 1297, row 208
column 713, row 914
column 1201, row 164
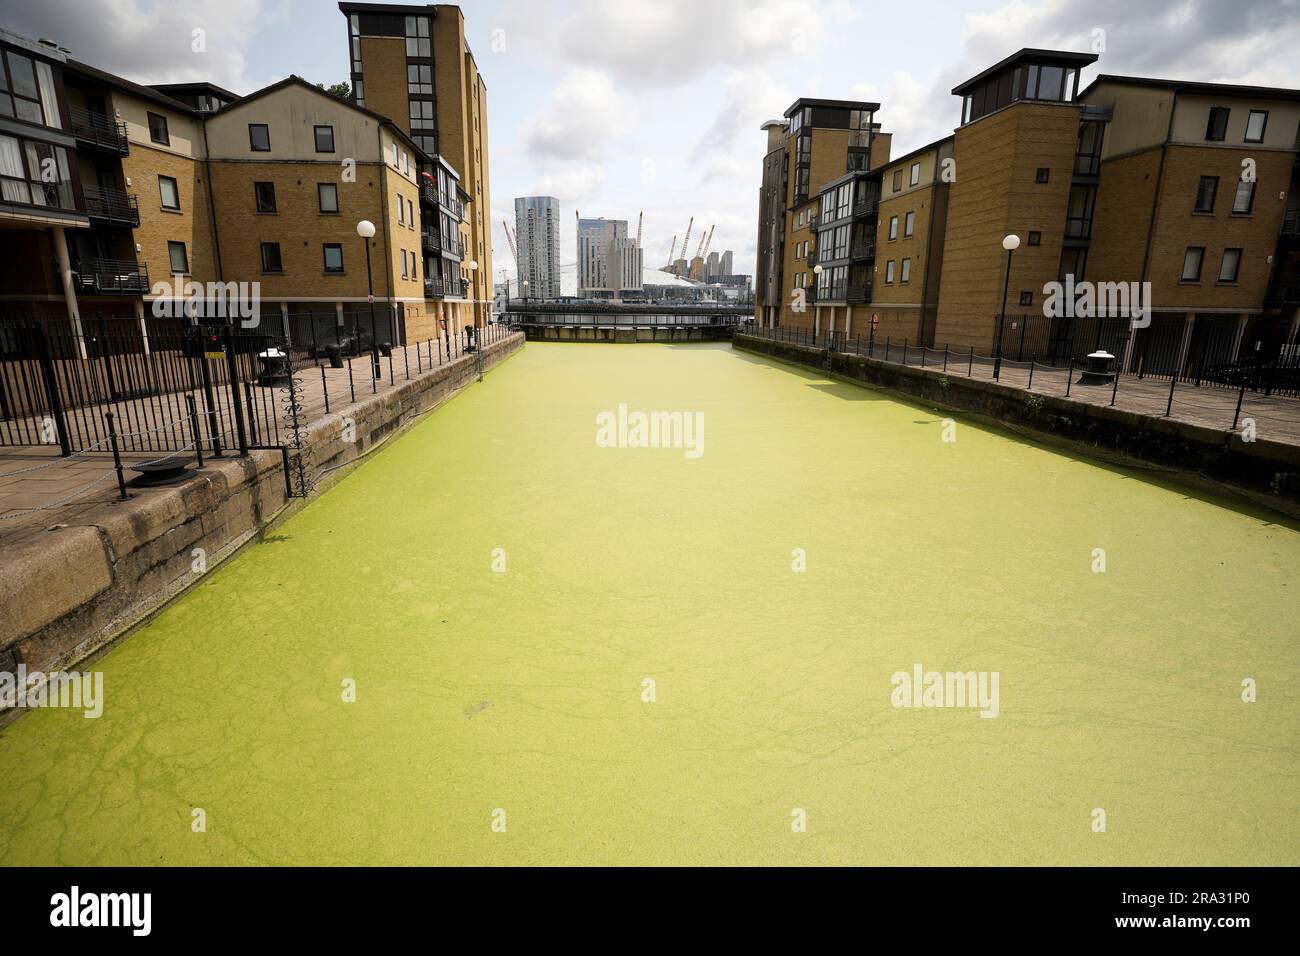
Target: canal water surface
column 568, row 653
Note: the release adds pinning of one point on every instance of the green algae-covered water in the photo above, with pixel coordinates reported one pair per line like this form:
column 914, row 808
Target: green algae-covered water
column 508, row 716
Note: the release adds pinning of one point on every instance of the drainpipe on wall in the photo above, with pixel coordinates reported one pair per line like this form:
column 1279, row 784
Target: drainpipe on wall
column 1151, row 224
column 212, row 203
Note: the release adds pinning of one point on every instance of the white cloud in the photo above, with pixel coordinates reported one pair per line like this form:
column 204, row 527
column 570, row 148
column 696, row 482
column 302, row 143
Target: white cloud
column 584, row 118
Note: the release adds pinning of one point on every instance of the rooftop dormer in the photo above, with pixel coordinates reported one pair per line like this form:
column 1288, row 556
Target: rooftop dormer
column 1045, row 76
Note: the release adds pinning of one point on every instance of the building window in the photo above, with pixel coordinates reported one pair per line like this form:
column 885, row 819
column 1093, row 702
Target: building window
column 259, row 137
column 401, row 210
column 265, row 195
column 1035, row 238
column 905, row 271
column 1205, row 192
column 915, row 176
column 1026, row 298
column 28, row 92
column 889, row 272
column 46, row 181
column 158, row 129
column 419, row 79
column 417, row 37
column 1256, row 123
column 1192, row 263
column 327, row 194
column 180, row 262
column 333, row 253
column 170, row 197
column 1244, row 201
column 1042, row 174
column 404, row 264
column 893, row 227
column 1216, row 130
column 271, row 257
column 898, row 180
column 324, row 138
column 909, row 224
column 1231, row 263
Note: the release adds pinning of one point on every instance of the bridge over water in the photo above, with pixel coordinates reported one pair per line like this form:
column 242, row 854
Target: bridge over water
column 627, row 321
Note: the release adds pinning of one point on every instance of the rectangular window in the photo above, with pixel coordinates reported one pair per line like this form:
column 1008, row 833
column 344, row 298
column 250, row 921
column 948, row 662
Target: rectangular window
column 915, row 176
column 1256, row 123
column 328, row 196
column 271, row 257
column 259, row 137
column 180, row 262
column 265, row 195
column 1216, row 130
column 889, row 272
column 1035, row 238
column 893, row 227
column 158, row 129
column 324, row 138
column 909, row 223
column 1042, row 174
column 1244, row 201
column 171, row 199
column 1192, row 263
column 333, row 253
column 404, row 264
column 1205, row 192
column 905, row 271
column 401, row 210
column 898, row 180
column 1231, row 263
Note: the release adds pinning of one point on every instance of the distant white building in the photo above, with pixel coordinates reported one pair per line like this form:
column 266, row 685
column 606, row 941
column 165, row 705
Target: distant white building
column 537, row 226
column 609, row 261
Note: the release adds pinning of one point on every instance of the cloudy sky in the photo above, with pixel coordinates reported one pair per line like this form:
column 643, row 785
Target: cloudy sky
column 619, row 106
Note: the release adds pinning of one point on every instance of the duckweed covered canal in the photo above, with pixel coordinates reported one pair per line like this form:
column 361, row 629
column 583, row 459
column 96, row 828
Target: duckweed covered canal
column 524, row 690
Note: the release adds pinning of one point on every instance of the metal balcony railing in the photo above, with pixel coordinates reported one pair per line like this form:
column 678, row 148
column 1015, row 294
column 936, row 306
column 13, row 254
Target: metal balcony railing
column 112, row 276
column 98, row 130
column 112, row 206
column 1291, row 223
column 430, row 240
column 864, row 207
column 859, row 292
column 862, row 249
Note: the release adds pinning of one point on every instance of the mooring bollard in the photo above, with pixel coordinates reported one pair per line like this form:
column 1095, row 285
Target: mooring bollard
column 117, row 454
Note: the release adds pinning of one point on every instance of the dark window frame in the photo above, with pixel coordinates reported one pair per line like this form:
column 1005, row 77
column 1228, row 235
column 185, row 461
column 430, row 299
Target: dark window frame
column 172, row 244
column 1200, row 265
column 1043, row 174
column 1263, row 129
column 1236, row 266
column 1214, row 194
column 315, row 132
column 166, row 138
column 320, row 205
column 1250, row 206
column 252, row 145
column 325, row 262
column 1216, row 125
column 264, row 247
column 1026, row 298
column 1035, row 237
column 257, row 197
column 162, row 197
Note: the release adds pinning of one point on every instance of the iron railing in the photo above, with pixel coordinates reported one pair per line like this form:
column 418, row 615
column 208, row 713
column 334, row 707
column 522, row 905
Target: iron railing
column 112, row 276
column 112, row 206
column 97, row 130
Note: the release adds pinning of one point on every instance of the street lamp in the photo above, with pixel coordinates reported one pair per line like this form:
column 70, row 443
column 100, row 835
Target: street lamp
column 472, row 265
column 366, row 230
column 1010, row 243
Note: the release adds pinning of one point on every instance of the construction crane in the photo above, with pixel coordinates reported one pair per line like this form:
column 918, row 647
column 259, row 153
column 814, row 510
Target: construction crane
column 514, row 250
column 708, row 242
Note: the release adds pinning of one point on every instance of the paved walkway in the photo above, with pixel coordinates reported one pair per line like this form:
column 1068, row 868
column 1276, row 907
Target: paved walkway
column 1275, row 418
column 39, row 488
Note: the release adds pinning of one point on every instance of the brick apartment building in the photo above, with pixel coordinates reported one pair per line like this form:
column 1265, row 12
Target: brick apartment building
column 112, row 194
column 1188, row 186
